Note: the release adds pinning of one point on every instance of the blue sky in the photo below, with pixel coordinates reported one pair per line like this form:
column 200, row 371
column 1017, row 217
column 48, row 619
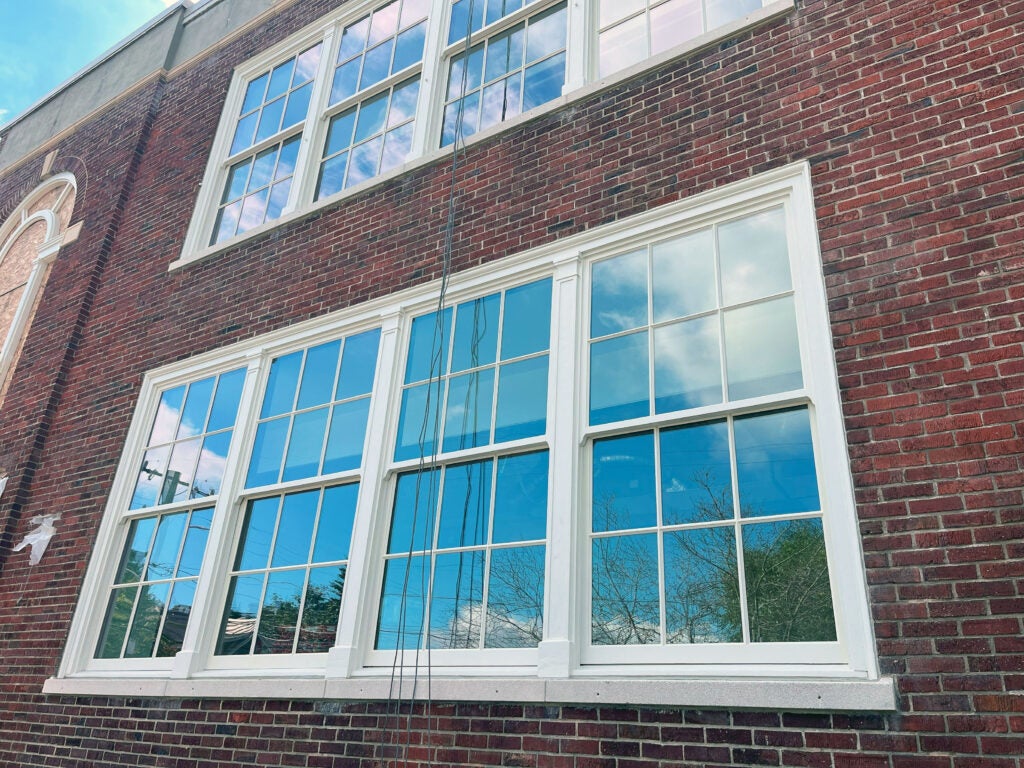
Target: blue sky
column 44, row 42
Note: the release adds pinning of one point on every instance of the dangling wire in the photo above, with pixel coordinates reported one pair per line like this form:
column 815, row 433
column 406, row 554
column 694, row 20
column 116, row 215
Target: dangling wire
column 435, row 388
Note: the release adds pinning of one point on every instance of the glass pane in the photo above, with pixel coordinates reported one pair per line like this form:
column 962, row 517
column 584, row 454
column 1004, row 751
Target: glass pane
column 280, row 79
column 684, row 276
column 696, row 474
column 210, row 471
column 238, row 177
column 286, row 160
column 225, row 402
column 262, row 169
column 280, row 616
column 403, row 102
column 320, row 610
column 501, row 101
column 515, row 598
column 675, row 22
column 618, row 297
column 723, row 11
column 702, row 594
column 365, row 161
column 543, row 82
column 521, row 498
column 115, row 623
column 545, row 34
column 397, row 145
column 295, row 532
column 619, row 386
column 239, row 623
column 613, row 10
column 372, row 114
column 183, row 594
column 167, row 413
column 318, row 375
column 332, row 176
column 400, row 624
column 146, row 624
column 376, row 64
column 755, row 257
column 412, row 522
column 195, row 543
column 284, row 376
column 623, row 45
column 270, row 120
column 624, row 483
column 306, row 65
column 526, row 323
column 465, row 505
column 335, row 527
column 522, row 399
column 456, row 605
column 133, row 560
column 409, row 47
column 244, row 131
column 164, row 557
column 346, row 81
column 298, row 105
column 775, row 463
column 254, row 93
column 788, row 595
column 384, row 22
column 468, row 111
column 227, row 222
column 257, row 533
column 504, row 54
column 278, row 199
column 687, row 365
column 346, row 437
column 413, row 10
column 762, row 350
column 180, row 469
column 339, row 135
column 468, row 412
column 306, row 445
column 150, row 484
column 476, row 333
column 358, row 363
column 267, row 452
column 353, row 40
column 417, row 421
column 625, row 607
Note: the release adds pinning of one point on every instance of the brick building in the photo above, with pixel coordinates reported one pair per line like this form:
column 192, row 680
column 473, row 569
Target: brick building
column 365, row 351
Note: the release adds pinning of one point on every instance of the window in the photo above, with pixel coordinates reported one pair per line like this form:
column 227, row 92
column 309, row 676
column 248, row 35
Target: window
column 621, row 455
column 363, row 93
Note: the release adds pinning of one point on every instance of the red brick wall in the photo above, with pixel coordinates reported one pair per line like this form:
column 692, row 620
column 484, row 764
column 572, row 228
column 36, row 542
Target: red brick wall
column 911, row 113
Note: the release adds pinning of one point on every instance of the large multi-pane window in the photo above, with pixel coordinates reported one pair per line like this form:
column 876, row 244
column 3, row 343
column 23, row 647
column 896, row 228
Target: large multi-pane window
column 627, row 451
column 370, row 90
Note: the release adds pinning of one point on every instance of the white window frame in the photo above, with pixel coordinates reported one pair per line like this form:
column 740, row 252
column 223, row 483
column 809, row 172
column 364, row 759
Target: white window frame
column 581, row 80
column 844, row 675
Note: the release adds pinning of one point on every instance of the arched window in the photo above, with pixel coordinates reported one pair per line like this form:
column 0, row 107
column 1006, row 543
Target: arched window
column 29, row 241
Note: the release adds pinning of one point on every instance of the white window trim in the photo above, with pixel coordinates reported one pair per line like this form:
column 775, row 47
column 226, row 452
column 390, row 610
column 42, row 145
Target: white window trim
column 556, row 671
column 581, row 82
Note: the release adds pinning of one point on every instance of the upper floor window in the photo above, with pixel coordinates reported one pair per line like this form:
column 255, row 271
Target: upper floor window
column 363, row 93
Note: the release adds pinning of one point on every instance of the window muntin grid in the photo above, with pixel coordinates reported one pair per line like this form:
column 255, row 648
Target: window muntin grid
column 511, row 71
column 630, row 31
column 288, row 577
column 704, row 318
column 155, row 585
column 490, row 375
column 465, row 561
column 314, row 412
column 188, row 441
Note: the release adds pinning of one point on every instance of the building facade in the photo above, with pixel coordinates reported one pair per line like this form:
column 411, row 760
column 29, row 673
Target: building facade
column 536, row 383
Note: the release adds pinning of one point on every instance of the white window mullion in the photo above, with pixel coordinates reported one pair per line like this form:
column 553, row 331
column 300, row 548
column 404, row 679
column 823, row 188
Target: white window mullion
column 557, row 654
column 359, row 604
column 211, row 587
column 307, row 164
column 430, row 106
column 582, row 16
